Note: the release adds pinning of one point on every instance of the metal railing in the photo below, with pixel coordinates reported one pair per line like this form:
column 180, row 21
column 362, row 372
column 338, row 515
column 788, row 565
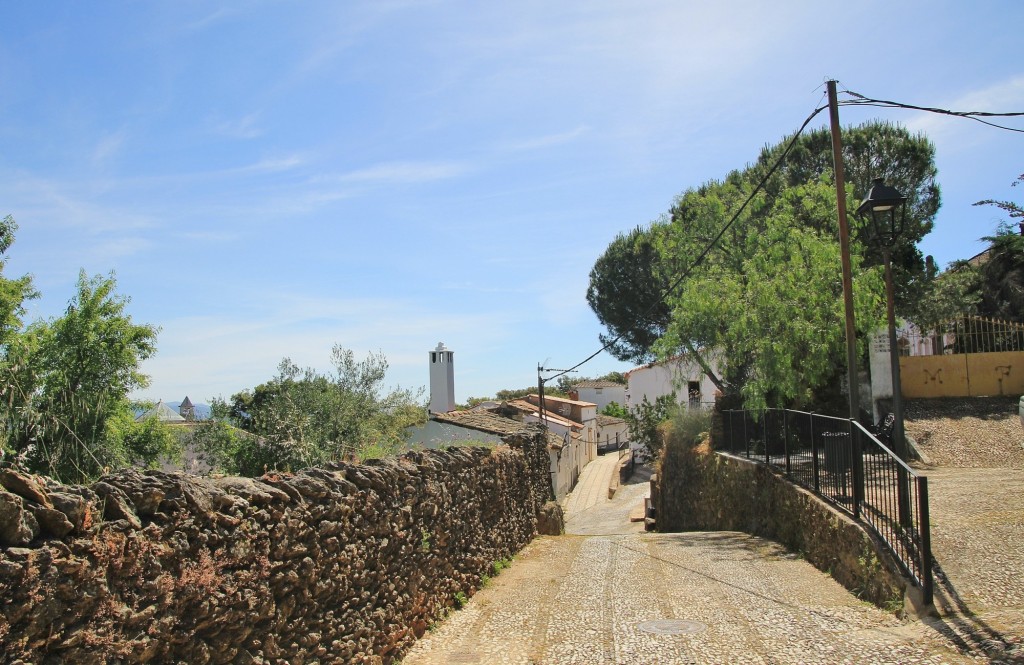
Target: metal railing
column 966, row 334
column 844, row 463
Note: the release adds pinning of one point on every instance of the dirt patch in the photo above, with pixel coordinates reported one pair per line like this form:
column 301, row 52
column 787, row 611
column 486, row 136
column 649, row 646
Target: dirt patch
column 974, row 432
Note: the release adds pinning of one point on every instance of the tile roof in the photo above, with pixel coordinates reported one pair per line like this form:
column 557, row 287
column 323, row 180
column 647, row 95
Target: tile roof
column 607, row 421
column 598, row 384
column 485, row 421
column 532, row 409
column 561, row 400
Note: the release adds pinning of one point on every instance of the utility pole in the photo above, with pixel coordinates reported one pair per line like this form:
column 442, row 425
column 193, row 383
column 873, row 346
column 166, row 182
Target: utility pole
column 844, row 247
column 851, row 331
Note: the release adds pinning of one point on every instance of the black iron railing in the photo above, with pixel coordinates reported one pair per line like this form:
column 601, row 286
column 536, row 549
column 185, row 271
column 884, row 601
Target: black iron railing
column 844, row 463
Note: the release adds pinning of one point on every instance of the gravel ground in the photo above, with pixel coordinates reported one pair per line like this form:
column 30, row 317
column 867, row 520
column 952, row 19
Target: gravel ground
column 977, row 432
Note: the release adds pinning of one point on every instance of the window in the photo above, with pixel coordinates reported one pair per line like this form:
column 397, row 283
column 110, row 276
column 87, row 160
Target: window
column 693, row 389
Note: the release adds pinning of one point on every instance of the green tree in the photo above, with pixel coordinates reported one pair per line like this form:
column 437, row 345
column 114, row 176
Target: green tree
column 13, row 292
column 875, row 149
column 643, row 421
column 950, row 295
column 1000, row 286
column 770, row 302
column 627, row 281
column 766, row 298
column 625, row 292
column 66, row 383
column 302, row 418
column 614, row 409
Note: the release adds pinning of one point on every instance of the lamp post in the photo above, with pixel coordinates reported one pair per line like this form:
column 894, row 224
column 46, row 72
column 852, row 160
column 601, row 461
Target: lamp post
column 885, row 210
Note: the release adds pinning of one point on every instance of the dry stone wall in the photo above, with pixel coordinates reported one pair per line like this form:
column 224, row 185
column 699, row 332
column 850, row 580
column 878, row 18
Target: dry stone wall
column 348, row 563
column 697, row 489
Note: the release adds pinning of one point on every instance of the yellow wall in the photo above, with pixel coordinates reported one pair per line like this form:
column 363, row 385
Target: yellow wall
column 934, row 376
column 964, row 375
column 996, row 373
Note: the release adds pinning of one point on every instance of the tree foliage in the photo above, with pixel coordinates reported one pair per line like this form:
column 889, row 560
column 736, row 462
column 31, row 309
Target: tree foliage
column 13, row 292
column 1000, row 287
column 770, row 302
column 65, row 386
column 767, row 300
column 302, row 418
column 614, row 409
column 625, row 292
column 643, row 421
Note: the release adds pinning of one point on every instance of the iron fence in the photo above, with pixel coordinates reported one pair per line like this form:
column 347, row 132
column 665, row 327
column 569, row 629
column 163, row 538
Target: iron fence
column 844, row 463
column 966, row 334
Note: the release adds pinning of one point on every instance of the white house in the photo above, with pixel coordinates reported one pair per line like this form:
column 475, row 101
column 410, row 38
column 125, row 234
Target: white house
column 602, row 393
column 680, row 375
column 611, row 431
column 576, row 411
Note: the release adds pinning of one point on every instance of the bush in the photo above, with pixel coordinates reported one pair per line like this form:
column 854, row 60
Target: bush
column 691, row 426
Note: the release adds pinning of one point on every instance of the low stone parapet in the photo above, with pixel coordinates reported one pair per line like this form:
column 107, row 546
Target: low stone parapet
column 344, row 563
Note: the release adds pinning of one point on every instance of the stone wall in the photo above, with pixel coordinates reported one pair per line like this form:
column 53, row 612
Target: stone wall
column 343, row 564
column 697, row 489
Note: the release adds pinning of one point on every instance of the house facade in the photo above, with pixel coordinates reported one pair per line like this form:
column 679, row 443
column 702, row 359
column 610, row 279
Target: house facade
column 601, row 393
column 680, row 375
column 611, row 431
column 577, row 412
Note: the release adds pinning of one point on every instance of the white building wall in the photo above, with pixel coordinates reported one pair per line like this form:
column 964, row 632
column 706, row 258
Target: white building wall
column 607, row 435
column 653, row 381
column 602, row 397
column 442, row 379
column 589, row 435
column 566, row 466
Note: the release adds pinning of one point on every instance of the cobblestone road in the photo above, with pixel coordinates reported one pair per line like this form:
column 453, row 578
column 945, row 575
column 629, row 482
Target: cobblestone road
column 608, row 593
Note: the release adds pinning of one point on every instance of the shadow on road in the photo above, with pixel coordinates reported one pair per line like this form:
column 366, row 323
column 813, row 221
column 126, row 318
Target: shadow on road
column 965, row 629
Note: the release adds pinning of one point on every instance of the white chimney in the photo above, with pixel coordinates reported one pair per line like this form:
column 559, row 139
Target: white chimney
column 442, row 380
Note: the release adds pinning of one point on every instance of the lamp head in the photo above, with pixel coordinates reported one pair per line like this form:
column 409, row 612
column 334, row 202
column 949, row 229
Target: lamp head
column 886, row 209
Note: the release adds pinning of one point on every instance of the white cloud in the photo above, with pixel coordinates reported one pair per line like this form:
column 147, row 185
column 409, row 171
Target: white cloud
column 1001, row 97
column 246, row 127
column 404, row 172
column 214, row 354
column 57, row 204
column 541, row 142
column 108, row 147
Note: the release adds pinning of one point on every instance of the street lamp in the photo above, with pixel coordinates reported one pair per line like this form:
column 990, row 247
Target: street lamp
column 885, row 209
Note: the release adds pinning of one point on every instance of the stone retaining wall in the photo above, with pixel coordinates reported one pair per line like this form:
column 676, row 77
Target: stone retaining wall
column 697, row 489
column 343, row 564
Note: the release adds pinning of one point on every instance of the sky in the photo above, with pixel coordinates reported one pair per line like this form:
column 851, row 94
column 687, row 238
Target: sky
column 268, row 179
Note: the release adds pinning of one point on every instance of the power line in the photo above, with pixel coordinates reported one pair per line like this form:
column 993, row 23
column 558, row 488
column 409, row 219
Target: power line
column 707, row 250
column 861, row 100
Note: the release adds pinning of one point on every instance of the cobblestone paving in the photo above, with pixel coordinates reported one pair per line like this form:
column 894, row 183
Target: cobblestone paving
column 608, row 593
column 975, row 469
column 978, row 544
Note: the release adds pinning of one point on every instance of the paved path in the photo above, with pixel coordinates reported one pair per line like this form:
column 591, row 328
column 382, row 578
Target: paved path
column 978, row 544
column 592, row 488
column 608, row 593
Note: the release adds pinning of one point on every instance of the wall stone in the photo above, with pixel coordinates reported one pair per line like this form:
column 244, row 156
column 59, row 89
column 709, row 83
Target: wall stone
column 348, row 563
column 697, row 489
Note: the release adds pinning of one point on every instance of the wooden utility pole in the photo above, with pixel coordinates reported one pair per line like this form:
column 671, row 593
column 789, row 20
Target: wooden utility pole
column 844, row 246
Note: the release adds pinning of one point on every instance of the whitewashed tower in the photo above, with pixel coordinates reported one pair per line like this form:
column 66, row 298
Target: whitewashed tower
column 442, row 380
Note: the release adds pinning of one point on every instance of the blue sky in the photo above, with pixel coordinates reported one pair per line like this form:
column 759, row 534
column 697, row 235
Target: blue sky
column 270, row 178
